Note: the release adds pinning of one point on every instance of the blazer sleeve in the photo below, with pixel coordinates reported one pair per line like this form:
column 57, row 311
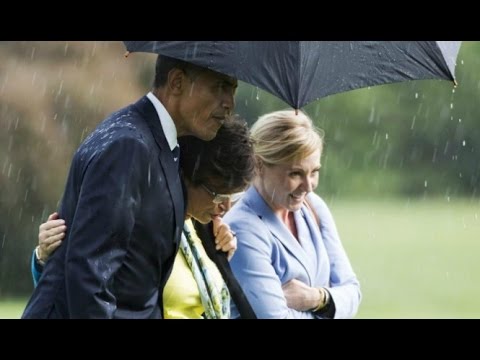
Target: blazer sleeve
column 344, row 285
column 252, row 266
column 109, row 195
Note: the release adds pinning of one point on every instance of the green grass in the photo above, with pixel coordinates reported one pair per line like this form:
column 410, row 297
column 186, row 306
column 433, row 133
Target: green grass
column 414, row 259
column 12, row 308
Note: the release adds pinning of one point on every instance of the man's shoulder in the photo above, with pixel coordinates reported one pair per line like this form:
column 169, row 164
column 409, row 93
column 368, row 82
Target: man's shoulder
column 124, row 123
column 131, row 116
column 115, row 133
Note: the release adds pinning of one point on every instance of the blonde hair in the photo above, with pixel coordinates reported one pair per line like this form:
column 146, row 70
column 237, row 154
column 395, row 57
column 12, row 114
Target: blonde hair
column 282, row 136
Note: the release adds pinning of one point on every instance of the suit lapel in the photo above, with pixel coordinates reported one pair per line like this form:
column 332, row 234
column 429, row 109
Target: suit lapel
column 278, row 230
column 165, row 156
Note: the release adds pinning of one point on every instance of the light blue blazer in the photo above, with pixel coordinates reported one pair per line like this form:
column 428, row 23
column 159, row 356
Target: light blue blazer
column 268, row 255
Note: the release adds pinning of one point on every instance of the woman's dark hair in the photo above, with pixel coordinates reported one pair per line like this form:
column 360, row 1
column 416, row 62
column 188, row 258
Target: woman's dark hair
column 227, row 161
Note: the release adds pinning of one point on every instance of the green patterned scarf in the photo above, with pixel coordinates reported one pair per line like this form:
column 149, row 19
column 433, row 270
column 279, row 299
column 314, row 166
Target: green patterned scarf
column 216, row 302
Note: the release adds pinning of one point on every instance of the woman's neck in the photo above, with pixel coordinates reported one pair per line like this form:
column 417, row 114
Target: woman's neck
column 279, row 211
column 289, row 220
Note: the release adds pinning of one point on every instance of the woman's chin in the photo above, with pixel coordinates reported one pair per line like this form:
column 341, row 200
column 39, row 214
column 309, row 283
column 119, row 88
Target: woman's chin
column 296, row 202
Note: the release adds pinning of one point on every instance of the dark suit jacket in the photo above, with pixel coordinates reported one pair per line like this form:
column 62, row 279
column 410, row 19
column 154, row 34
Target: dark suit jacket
column 124, row 207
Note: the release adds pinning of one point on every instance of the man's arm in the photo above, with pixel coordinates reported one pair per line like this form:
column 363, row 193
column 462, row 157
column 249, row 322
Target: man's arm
column 110, row 194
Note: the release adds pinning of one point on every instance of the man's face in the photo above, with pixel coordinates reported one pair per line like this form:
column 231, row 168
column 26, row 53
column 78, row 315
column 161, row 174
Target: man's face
column 208, row 98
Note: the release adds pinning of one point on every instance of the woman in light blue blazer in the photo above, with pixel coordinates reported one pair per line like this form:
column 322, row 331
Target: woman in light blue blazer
column 290, row 261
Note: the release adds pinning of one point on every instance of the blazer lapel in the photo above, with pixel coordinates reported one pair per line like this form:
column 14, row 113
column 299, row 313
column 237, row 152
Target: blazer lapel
column 278, row 230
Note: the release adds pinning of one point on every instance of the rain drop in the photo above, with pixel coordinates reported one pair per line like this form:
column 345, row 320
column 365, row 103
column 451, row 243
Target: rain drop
column 372, row 116
column 149, row 175
column 19, row 173
column 464, row 143
column 451, row 105
column 425, row 183
column 416, row 95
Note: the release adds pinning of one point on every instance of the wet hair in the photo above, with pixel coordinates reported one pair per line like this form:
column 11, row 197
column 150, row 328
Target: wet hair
column 282, row 136
column 165, row 63
column 227, row 162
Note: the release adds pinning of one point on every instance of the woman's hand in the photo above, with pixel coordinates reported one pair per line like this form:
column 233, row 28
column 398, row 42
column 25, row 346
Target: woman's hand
column 50, row 236
column 300, row 296
column 225, row 238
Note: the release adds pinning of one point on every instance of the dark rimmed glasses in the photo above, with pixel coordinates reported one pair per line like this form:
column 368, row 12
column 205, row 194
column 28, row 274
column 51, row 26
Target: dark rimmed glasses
column 221, row 198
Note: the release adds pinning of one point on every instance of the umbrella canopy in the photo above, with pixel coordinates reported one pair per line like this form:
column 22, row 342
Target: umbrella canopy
column 299, row 72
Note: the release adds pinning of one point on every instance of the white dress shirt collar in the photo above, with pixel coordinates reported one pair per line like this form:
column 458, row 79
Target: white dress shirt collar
column 166, row 121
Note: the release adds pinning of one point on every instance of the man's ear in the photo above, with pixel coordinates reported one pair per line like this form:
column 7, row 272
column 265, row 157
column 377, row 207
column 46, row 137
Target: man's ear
column 176, row 80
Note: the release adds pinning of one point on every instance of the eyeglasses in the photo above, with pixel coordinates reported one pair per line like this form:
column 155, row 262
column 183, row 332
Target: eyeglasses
column 221, row 198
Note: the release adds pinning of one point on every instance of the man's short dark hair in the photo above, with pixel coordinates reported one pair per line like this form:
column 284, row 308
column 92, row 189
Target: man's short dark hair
column 227, row 160
column 165, row 63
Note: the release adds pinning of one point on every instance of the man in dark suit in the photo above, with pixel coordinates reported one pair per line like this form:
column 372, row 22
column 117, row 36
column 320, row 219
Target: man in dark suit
column 124, row 202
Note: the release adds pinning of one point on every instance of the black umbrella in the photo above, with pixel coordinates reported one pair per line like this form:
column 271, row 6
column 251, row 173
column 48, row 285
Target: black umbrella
column 299, row 72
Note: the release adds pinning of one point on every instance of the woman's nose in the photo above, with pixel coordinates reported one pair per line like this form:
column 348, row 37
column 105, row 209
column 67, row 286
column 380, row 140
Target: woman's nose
column 308, row 184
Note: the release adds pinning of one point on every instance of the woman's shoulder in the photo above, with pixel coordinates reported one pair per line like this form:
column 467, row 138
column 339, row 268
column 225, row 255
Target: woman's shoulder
column 240, row 212
column 320, row 206
column 242, row 218
column 316, row 200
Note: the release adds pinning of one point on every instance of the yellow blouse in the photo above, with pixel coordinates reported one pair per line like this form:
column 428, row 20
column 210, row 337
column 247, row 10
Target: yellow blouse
column 181, row 298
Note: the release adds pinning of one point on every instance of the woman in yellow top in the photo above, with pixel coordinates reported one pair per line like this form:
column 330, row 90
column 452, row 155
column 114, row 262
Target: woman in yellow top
column 214, row 173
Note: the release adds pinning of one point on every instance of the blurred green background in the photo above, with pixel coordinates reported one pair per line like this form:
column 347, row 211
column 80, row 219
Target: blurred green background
column 400, row 168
